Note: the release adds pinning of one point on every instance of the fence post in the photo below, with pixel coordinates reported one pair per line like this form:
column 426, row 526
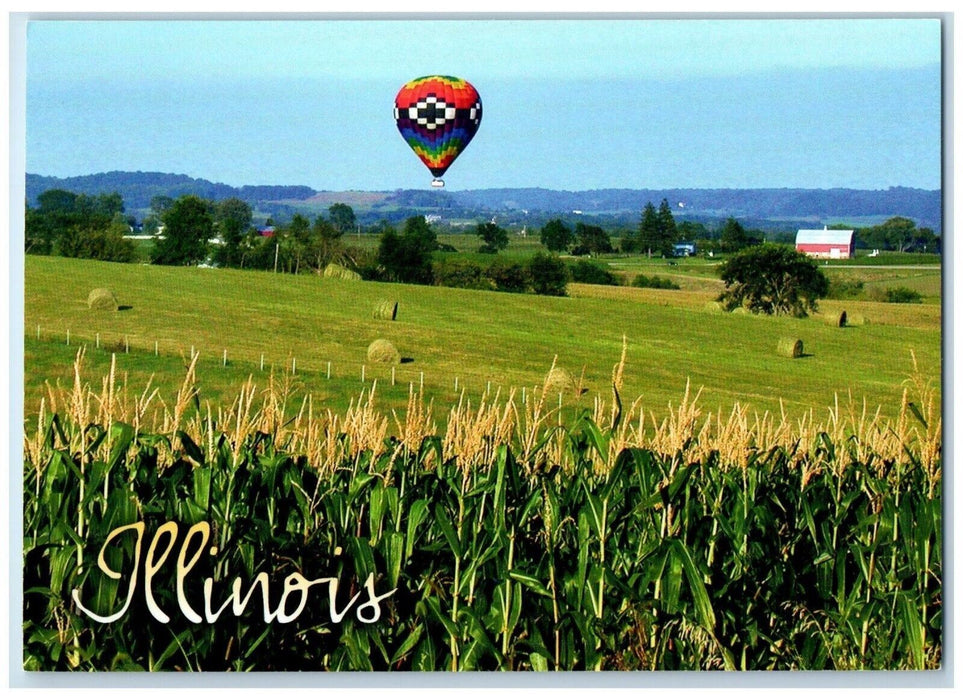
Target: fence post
column 68, row 336
column 225, row 357
column 329, row 369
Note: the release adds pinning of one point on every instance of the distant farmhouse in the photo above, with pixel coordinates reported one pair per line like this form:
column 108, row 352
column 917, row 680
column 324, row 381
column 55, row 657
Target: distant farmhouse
column 826, row 243
column 683, row 250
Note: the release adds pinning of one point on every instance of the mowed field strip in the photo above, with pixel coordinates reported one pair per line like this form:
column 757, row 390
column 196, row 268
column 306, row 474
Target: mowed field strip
column 479, row 339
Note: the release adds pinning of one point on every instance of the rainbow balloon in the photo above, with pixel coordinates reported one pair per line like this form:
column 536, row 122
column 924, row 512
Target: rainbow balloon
column 438, row 116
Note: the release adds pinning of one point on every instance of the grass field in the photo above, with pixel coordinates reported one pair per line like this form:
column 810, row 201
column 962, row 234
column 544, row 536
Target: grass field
column 481, row 340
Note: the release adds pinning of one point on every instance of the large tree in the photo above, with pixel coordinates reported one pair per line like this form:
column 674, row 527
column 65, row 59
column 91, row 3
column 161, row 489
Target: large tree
column 232, row 219
column 407, row 257
column 591, row 240
column 342, row 216
column 668, row 233
column 772, row 279
column 188, row 224
column 494, row 237
column 649, row 240
column 735, row 237
column 556, row 236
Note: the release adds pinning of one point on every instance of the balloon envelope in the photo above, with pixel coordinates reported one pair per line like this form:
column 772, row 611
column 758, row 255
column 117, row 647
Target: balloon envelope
column 438, row 115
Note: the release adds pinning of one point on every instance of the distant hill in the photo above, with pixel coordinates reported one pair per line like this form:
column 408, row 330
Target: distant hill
column 139, row 188
column 782, row 209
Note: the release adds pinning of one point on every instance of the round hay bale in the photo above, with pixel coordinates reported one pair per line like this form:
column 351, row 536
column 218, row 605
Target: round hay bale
column 740, row 311
column 102, row 300
column 386, row 310
column 837, row 320
column 714, row 307
column 790, row 347
column 383, row 351
column 559, row 381
column 856, row 320
column 338, row 272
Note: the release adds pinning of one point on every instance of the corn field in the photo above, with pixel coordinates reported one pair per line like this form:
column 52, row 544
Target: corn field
column 504, row 541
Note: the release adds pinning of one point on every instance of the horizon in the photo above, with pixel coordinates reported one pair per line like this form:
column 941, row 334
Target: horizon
column 454, row 189
column 638, row 104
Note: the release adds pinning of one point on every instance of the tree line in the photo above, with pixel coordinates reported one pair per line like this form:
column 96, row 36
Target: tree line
column 191, row 230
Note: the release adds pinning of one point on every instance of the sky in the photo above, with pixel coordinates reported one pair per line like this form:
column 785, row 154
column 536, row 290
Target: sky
column 568, row 104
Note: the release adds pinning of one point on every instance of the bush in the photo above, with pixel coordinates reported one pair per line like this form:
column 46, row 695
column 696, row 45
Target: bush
column 592, row 273
column 654, row 282
column 548, row 274
column 463, row 274
column 507, row 277
column 902, row 295
column 845, row 289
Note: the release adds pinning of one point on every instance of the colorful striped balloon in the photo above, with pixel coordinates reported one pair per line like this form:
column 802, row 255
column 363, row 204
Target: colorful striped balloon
column 438, row 115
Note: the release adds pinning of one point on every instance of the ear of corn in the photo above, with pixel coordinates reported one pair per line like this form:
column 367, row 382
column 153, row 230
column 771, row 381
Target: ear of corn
column 697, row 542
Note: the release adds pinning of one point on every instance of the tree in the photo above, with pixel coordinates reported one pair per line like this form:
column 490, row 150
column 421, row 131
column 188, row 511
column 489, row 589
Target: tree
column 64, row 221
column 547, row 274
column 407, row 257
column 188, row 224
column 324, row 245
column 773, row 279
column 592, row 240
column 649, row 239
column 417, row 228
column 556, row 236
column 232, row 218
column 734, row 237
column 898, row 233
column 667, row 229
column 494, row 237
column 99, row 243
column 342, row 216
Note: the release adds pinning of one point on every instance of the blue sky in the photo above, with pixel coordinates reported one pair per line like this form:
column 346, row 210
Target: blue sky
column 573, row 104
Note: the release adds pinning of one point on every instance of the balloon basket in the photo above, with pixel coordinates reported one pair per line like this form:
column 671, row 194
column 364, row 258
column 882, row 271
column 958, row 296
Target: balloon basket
column 437, row 182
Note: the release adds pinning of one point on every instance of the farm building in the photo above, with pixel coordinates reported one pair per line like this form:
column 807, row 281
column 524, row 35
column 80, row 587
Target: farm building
column 826, row 243
column 683, row 250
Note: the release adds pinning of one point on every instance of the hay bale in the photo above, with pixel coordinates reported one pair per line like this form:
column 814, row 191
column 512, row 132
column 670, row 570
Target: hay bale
column 790, row 347
column 384, row 352
column 102, row 300
column 335, row 271
column 837, row 320
column 714, row 307
column 386, row 310
column 740, row 311
column 559, row 381
column 856, row 320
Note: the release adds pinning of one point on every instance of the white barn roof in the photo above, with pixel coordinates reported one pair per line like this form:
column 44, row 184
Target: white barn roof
column 825, row 236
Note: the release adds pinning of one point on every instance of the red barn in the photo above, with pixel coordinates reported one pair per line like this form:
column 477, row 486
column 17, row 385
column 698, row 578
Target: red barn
column 826, row 243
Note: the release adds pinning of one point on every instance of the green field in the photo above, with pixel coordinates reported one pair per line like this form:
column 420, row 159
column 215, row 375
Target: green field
column 481, row 340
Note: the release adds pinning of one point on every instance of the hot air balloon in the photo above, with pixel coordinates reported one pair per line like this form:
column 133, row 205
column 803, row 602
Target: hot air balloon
column 438, row 115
